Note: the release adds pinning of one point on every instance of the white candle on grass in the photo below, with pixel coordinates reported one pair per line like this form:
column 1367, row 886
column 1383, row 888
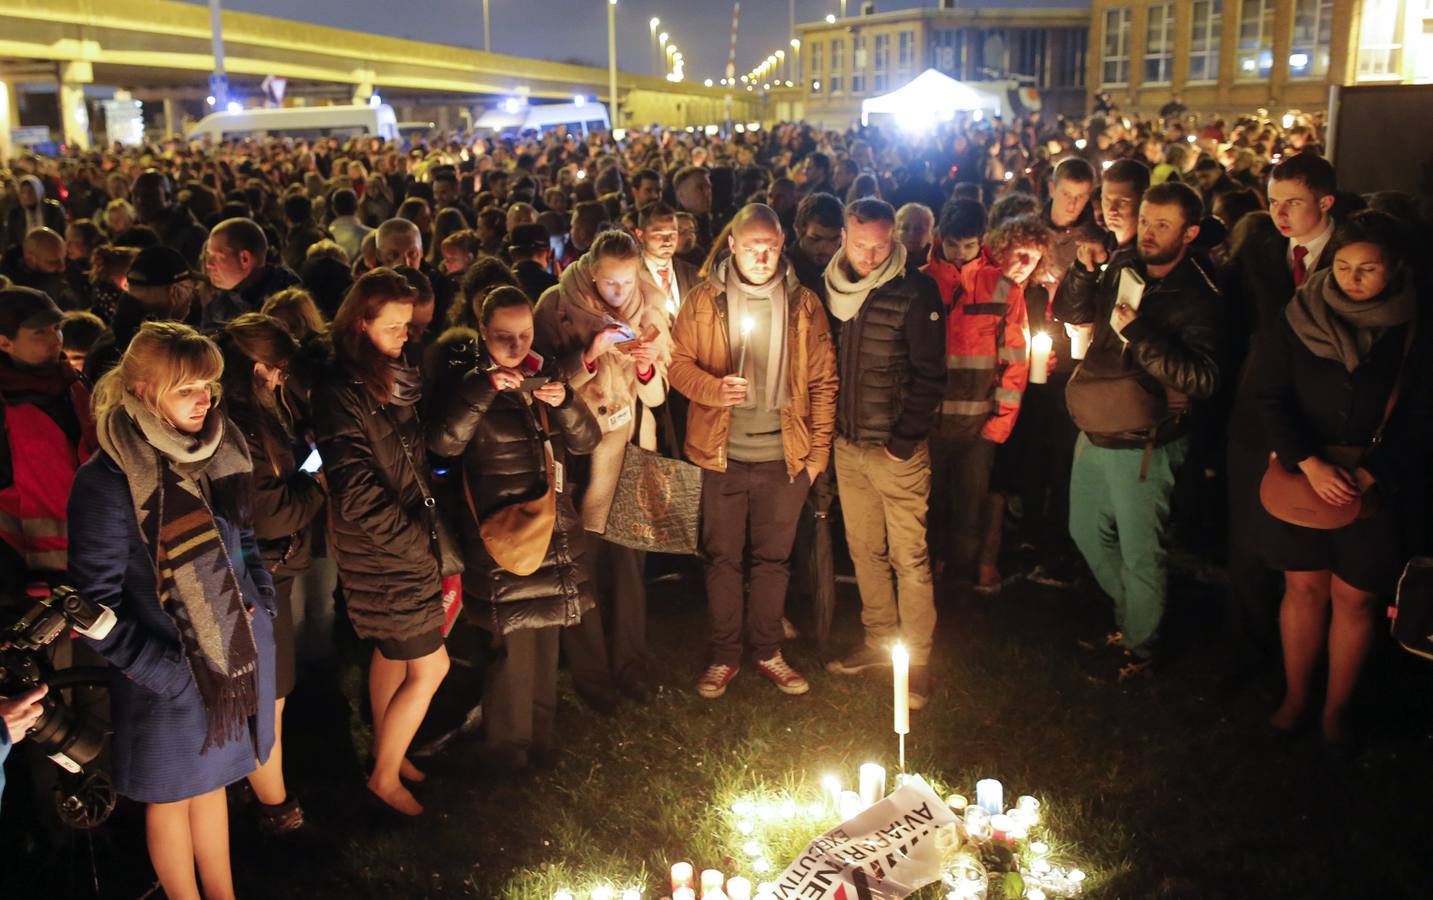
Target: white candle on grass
column 873, row 783
column 901, row 669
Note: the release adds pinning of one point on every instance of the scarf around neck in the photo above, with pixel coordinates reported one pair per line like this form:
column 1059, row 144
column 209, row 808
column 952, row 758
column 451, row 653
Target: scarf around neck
column 777, row 392
column 195, row 578
column 1334, row 327
column 407, row 382
column 845, row 296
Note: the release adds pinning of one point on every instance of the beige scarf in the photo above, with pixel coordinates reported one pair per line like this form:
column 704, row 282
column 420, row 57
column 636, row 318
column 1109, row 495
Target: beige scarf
column 845, row 296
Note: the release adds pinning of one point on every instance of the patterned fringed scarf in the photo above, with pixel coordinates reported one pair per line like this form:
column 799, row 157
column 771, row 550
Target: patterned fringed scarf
column 197, row 584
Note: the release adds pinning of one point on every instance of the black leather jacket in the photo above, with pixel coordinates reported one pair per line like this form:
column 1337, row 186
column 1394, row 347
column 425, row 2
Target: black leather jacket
column 1174, row 339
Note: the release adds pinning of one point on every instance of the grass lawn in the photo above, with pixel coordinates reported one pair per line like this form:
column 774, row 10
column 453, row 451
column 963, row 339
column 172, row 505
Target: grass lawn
column 1157, row 790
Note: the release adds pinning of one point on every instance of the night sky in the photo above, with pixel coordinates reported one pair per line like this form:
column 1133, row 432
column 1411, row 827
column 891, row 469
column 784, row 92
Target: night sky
column 577, row 29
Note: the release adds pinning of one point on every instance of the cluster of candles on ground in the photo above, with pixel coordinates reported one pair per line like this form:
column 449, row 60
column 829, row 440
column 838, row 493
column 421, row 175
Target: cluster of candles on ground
column 980, row 822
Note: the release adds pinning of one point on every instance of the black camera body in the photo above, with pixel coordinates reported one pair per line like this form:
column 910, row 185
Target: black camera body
column 69, row 739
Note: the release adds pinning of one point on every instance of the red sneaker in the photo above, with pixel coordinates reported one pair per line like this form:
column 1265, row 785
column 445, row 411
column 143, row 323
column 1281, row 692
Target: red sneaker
column 780, row 673
column 714, row 680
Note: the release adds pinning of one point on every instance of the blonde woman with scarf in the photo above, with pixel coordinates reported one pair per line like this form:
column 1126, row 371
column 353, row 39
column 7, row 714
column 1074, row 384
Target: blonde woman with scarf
column 160, row 531
column 612, row 348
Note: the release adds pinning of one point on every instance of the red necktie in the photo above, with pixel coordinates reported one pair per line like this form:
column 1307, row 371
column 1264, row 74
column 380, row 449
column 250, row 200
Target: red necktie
column 1300, row 270
column 666, row 280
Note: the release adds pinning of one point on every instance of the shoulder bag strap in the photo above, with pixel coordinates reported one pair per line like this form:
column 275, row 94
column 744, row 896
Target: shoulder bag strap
column 1397, row 387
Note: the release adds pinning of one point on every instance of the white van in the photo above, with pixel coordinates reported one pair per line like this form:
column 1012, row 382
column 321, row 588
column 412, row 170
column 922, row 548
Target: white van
column 580, row 119
column 297, row 122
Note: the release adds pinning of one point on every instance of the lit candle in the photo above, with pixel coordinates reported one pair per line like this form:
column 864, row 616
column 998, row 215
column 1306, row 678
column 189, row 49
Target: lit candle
column 832, row 785
column 901, row 666
column 1040, row 345
column 562, row 895
column 748, row 324
column 681, row 876
column 738, row 888
column 711, row 881
column 957, row 803
column 849, row 805
column 1029, row 809
column 684, row 893
column 602, row 893
column 990, row 795
column 750, row 848
column 977, row 823
column 1000, row 828
column 873, row 783
column 631, row 894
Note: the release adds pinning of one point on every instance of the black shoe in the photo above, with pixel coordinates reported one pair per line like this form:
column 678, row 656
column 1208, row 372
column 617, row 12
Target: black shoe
column 603, row 703
column 634, row 689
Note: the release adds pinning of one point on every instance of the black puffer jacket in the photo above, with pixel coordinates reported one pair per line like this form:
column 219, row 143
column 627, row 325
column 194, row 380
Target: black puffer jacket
column 500, row 442
column 381, row 536
column 1174, row 340
column 892, row 360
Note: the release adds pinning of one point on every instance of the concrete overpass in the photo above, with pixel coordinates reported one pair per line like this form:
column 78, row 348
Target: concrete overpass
column 160, row 51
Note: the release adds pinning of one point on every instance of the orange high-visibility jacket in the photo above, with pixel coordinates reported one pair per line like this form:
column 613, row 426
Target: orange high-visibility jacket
column 986, row 344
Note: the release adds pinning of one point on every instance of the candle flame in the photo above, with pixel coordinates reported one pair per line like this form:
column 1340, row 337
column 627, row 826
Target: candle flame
column 748, row 324
column 899, row 654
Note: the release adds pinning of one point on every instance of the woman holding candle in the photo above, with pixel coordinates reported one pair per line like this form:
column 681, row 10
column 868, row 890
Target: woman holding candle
column 612, row 345
column 986, row 348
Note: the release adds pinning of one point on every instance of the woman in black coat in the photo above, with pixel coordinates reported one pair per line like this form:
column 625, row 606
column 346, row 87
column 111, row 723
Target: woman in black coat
column 1326, row 373
column 370, row 440
column 258, row 354
column 495, row 427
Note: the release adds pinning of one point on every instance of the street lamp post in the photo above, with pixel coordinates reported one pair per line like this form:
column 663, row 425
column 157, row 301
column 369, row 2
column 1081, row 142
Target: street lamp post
column 487, row 30
column 656, row 53
column 612, row 60
column 219, row 82
column 796, row 59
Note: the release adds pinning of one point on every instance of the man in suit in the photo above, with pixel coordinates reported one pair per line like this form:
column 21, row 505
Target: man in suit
column 666, row 280
column 1259, row 282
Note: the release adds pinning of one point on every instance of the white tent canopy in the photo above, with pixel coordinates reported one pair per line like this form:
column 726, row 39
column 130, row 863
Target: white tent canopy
column 931, row 98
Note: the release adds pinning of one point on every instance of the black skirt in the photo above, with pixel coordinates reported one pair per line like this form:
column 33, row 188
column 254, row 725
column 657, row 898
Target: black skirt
column 1367, row 554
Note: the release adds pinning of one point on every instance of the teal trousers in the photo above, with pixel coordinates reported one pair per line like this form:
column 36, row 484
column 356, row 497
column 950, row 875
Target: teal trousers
column 1121, row 525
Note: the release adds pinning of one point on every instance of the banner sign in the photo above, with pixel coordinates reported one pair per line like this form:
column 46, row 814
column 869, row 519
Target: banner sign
column 885, row 853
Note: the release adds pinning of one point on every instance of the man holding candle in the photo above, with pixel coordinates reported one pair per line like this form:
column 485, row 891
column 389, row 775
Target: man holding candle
column 892, row 339
column 752, row 351
column 1131, row 397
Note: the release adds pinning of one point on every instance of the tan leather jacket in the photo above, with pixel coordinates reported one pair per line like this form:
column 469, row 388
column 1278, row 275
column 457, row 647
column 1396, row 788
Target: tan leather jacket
column 701, row 356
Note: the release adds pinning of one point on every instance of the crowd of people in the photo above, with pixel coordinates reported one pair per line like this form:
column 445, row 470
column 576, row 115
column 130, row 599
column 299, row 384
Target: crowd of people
column 224, row 367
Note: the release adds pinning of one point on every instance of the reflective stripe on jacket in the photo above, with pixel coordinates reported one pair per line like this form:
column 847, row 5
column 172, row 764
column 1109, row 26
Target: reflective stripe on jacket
column 987, row 346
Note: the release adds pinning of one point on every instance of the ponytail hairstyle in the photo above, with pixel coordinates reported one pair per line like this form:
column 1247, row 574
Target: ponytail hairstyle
column 353, row 349
column 161, row 356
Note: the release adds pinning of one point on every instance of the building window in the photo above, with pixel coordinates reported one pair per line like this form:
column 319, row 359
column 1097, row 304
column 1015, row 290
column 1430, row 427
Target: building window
column 1116, row 67
column 1255, row 59
column 1380, row 50
column 882, row 62
column 905, row 51
column 1159, row 44
column 813, row 61
column 1313, row 29
column 1204, row 40
column 858, row 64
column 838, row 64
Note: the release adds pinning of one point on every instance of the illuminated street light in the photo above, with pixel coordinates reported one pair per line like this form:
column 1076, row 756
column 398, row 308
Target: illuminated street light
column 830, row 19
